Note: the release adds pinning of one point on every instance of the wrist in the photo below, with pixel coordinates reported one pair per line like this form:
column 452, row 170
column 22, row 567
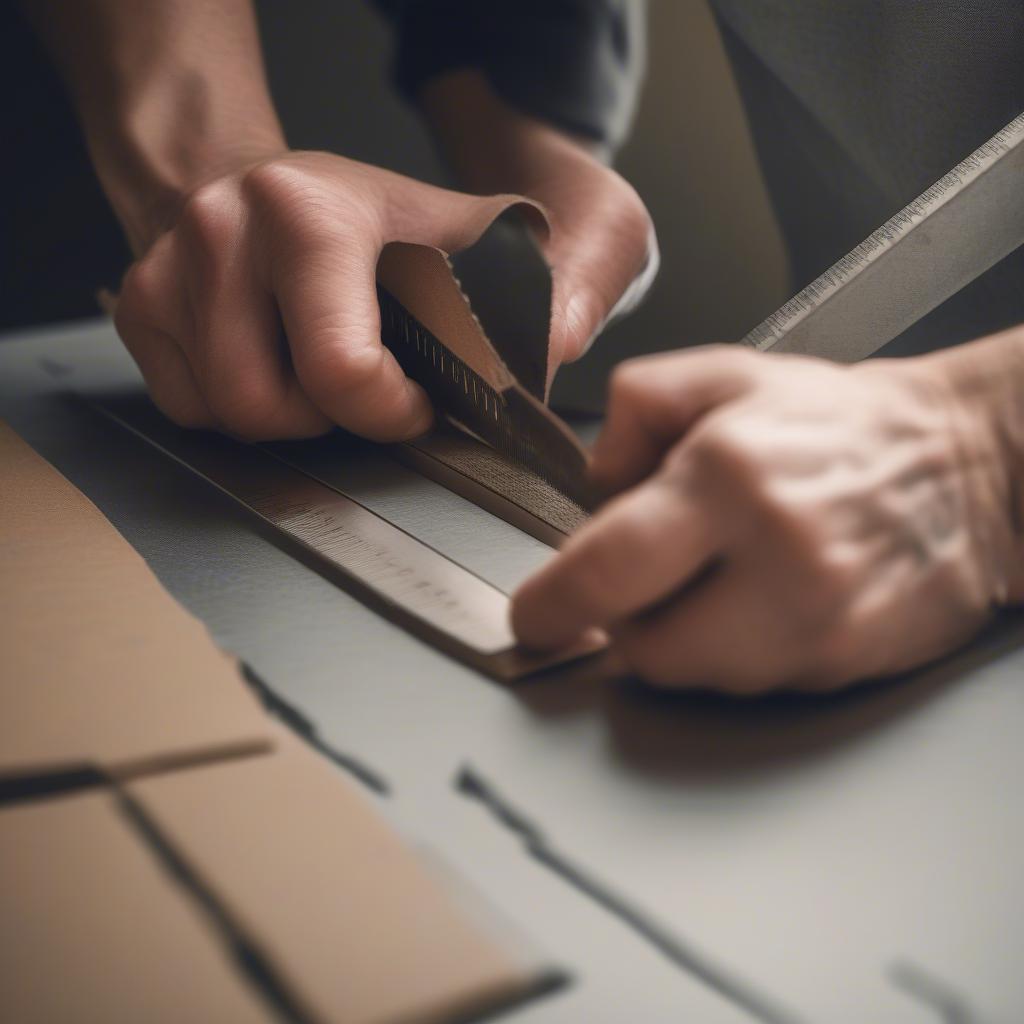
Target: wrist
column 985, row 379
column 151, row 155
column 169, row 96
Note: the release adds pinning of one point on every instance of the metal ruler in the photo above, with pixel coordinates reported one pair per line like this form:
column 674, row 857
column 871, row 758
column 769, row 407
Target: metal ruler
column 400, row 576
column 952, row 233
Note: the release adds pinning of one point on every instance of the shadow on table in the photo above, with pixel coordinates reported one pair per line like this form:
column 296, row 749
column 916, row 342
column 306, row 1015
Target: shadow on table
column 699, row 734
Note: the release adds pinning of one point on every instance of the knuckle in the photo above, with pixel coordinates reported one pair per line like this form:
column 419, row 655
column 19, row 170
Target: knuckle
column 274, row 181
column 729, row 457
column 825, row 571
column 331, row 366
column 268, row 178
column 209, row 216
column 718, row 447
column 297, row 202
column 736, row 361
column 141, row 290
column 630, row 382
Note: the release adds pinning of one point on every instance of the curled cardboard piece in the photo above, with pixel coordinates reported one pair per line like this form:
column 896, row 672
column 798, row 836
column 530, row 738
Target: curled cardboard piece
column 98, row 933
column 489, row 378
column 351, row 923
column 490, row 299
column 101, row 670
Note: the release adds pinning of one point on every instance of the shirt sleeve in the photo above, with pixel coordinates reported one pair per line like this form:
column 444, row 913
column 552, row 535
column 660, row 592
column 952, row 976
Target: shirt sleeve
column 578, row 64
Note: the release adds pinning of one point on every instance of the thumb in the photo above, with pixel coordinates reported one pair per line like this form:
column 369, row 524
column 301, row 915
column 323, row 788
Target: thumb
column 601, row 270
column 653, row 401
column 328, row 304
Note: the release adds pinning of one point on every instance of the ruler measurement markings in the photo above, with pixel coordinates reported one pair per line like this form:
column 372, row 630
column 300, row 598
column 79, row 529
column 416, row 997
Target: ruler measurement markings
column 399, row 569
column 377, row 563
column 952, row 187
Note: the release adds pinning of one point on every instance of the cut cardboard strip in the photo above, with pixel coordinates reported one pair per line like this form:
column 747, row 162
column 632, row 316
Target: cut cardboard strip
column 101, row 671
column 96, row 932
column 343, row 911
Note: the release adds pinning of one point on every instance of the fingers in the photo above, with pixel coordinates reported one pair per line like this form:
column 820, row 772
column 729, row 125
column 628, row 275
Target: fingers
column 289, row 235
column 328, row 303
column 721, row 635
column 239, row 355
column 654, row 400
column 604, row 255
column 326, row 290
column 168, row 376
column 730, row 633
column 144, row 304
column 245, row 375
column 294, row 241
column 636, row 551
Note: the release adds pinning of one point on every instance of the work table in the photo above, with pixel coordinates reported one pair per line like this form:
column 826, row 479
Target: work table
column 843, row 859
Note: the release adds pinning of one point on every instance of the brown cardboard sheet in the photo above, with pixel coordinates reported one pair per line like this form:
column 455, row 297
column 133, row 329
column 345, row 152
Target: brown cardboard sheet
column 100, row 669
column 93, row 930
column 350, row 921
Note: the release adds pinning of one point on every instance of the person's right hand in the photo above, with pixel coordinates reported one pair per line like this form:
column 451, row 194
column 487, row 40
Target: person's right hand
column 256, row 311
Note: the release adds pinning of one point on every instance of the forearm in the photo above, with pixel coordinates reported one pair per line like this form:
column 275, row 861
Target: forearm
column 491, row 146
column 987, row 377
column 169, row 95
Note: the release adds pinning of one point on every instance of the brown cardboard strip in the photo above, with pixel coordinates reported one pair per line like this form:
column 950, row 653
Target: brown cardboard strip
column 96, row 932
column 343, row 911
column 100, row 669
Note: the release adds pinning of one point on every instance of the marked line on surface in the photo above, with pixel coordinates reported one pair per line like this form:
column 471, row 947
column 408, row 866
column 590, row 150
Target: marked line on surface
column 679, row 951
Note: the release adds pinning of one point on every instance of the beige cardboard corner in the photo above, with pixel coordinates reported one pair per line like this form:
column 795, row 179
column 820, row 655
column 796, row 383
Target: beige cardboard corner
column 96, row 932
column 100, row 669
column 346, row 913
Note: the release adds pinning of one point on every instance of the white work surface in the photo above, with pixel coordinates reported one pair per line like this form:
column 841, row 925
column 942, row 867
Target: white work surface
column 855, row 859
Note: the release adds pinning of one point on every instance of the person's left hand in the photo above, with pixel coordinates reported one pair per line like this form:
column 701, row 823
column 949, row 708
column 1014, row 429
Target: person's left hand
column 783, row 521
